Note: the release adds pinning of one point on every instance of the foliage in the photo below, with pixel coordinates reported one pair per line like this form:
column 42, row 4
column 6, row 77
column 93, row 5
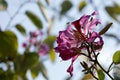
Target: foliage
column 113, row 11
column 8, row 45
column 116, row 57
column 66, row 5
column 37, row 22
column 3, row 5
column 21, row 29
column 82, row 5
column 28, row 60
column 101, row 75
column 39, row 44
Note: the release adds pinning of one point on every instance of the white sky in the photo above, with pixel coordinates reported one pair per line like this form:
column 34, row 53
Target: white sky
column 57, row 70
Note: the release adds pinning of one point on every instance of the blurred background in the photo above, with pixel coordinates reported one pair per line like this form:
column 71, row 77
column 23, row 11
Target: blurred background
column 28, row 30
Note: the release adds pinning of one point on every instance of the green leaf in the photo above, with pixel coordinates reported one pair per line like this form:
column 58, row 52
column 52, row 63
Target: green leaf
column 52, row 55
column 19, row 64
column 31, row 59
column 101, row 75
column 43, row 70
column 8, row 45
column 105, row 29
column 34, row 18
column 21, row 29
column 50, row 41
column 3, row 5
column 113, row 11
column 82, row 5
column 39, row 68
column 43, row 11
column 116, row 57
column 24, row 62
column 66, row 5
column 35, row 71
column 6, row 75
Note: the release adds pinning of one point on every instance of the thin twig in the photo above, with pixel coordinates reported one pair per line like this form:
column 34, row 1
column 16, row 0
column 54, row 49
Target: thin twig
column 97, row 62
column 93, row 75
column 105, row 70
column 110, row 67
column 15, row 14
column 84, row 55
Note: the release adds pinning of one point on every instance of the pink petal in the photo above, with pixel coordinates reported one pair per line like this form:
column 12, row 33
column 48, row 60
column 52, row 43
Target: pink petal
column 93, row 24
column 70, row 69
column 95, row 13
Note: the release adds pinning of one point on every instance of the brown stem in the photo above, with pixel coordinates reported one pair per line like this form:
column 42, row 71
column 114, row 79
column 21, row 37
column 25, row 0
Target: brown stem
column 96, row 62
column 110, row 67
column 93, row 75
column 104, row 70
column 14, row 15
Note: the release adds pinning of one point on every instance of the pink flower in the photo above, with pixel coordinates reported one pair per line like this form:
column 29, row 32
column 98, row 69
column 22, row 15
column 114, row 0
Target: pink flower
column 86, row 23
column 24, row 45
column 33, row 39
column 70, row 41
column 67, row 42
column 36, row 33
column 70, row 69
column 43, row 49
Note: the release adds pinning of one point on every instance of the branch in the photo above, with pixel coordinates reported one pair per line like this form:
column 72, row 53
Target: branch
column 96, row 62
column 104, row 70
column 110, row 67
column 15, row 14
column 93, row 75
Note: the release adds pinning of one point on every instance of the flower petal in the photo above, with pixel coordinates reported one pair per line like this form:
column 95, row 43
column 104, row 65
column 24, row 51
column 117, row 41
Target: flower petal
column 97, row 40
column 65, row 53
column 93, row 24
column 43, row 49
column 95, row 13
column 70, row 69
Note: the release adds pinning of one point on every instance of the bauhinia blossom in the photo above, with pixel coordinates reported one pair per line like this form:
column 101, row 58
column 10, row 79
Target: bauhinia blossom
column 71, row 41
column 43, row 49
column 35, row 40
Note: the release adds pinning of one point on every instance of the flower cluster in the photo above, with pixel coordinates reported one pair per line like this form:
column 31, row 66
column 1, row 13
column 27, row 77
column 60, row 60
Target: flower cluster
column 75, row 39
column 36, row 41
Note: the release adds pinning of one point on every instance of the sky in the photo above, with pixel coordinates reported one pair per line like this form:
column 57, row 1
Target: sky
column 57, row 70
